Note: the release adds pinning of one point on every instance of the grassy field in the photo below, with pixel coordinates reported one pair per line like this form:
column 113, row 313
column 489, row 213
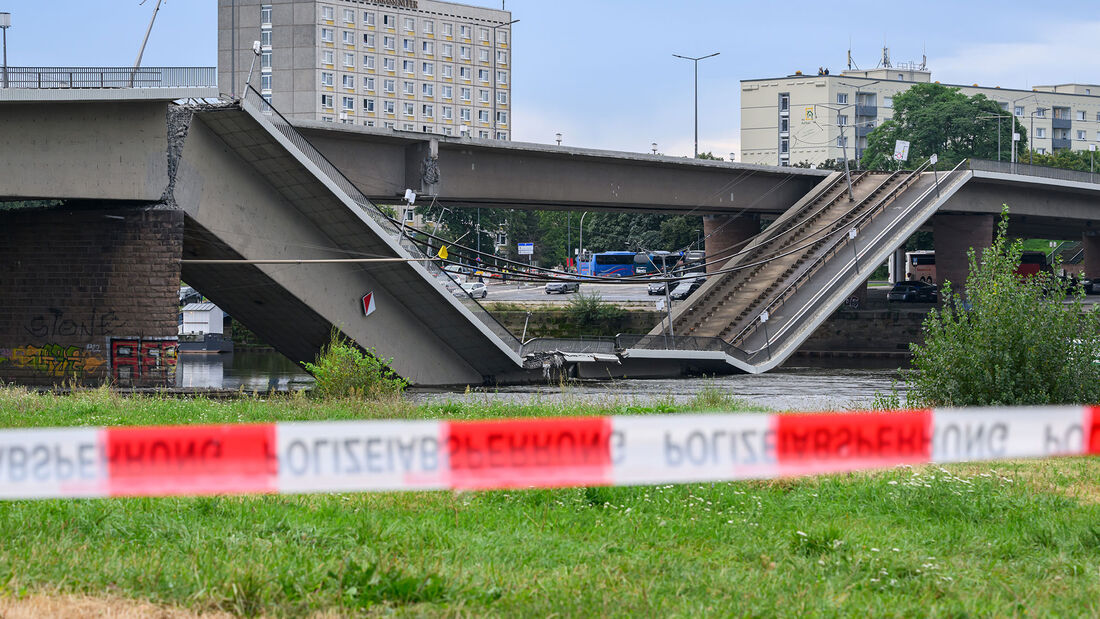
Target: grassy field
column 1015, row 538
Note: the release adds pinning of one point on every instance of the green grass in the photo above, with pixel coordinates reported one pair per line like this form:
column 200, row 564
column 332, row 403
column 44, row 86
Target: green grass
column 1019, row 538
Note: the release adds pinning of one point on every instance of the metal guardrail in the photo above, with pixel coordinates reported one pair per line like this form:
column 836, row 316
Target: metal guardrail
column 255, row 100
column 605, row 345
column 679, row 342
column 112, row 77
column 1004, row 167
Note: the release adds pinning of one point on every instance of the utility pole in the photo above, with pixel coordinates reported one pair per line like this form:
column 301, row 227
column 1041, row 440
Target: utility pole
column 141, row 52
column 5, row 23
column 696, row 62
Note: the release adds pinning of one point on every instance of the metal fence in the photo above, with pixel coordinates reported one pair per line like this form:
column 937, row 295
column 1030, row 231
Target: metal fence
column 678, row 342
column 253, row 99
column 1004, row 167
column 604, row 345
column 112, row 77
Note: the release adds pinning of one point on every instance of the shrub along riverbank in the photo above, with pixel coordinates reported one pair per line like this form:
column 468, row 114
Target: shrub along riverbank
column 998, row 539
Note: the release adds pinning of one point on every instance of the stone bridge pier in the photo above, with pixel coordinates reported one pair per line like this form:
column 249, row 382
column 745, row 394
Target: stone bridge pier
column 726, row 235
column 953, row 236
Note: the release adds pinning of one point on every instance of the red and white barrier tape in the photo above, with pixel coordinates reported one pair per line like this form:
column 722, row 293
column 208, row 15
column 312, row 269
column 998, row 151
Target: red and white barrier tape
column 549, row 452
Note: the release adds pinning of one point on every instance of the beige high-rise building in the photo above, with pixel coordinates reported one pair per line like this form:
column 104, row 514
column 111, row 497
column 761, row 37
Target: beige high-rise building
column 413, row 65
column 815, row 117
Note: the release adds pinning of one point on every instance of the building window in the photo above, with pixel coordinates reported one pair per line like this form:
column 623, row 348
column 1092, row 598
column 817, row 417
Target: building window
column 368, row 105
column 265, row 81
column 447, row 71
column 368, row 40
column 429, row 26
column 483, row 55
column 427, row 47
column 410, row 24
column 841, row 141
column 389, row 21
column 349, row 103
column 483, row 116
column 502, row 97
column 842, row 119
column 409, row 109
column 464, row 32
column 463, row 52
column 409, row 67
column 427, row 90
column 1040, row 113
column 326, row 101
column 483, row 135
column 448, row 50
column 466, row 93
column 327, row 13
column 389, row 108
column 387, row 43
column 784, row 102
column 502, row 118
column 326, row 35
column 483, row 34
column 327, row 78
column 388, row 87
column 265, row 15
column 265, row 60
column 349, row 59
column 368, row 18
column 464, row 73
column 483, row 76
column 1080, row 114
column 265, row 38
column 483, row 95
column 1081, row 134
column 409, row 88
column 387, row 125
column 428, row 111
column 888, row 102
column 407, row 45
column 502, row 135
column 428, row 69
column 1040, row 132
column 447, row 92
column 502, row 37
column 448, row 29
column 785, row 145
column 502, row 77
column 389, row 64
column 901, row 77
column 368, row 84
column 448, row 112
column 464, row 114
column 368, row 62
column 327, row 57
column 1041, row 151
column 502, row 57
column 1018, row 110
column 349, row 16
column 347, row 81
column 842, row 97
column 1098, row 136
column 784, row 124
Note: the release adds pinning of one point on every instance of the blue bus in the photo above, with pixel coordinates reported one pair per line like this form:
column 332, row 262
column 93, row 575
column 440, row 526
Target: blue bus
column 608, row 264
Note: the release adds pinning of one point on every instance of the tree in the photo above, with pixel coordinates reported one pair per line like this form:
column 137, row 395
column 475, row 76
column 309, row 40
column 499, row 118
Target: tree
column 709, row 155
column 936, row 119
column 828, row 164
column 1062, row 158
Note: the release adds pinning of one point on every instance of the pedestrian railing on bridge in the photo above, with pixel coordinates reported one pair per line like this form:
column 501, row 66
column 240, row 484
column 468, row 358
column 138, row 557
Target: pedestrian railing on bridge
column 111, row 77
column 1004, row 167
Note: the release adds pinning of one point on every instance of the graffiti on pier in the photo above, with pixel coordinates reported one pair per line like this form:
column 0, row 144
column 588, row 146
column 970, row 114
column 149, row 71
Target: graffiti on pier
column 146, row 361
column 55, row 360
column 58, row 324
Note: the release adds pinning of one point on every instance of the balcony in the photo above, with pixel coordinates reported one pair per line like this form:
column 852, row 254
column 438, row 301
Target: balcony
column 1060, row 143
column 866, row 110
column 863, row 129
column 1060, row 123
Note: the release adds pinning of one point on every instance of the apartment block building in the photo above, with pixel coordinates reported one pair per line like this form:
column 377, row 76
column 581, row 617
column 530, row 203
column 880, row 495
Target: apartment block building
column 412, row 65
column 812, row 118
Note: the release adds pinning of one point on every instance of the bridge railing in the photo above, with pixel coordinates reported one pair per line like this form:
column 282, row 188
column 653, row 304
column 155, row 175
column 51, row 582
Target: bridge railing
column 112, row 77
column 604, row 345
column 678, row 342
column 1004, row 167
column 254, row 100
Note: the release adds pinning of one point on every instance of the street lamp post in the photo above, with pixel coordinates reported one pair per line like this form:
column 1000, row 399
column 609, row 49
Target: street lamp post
column 557, row 136
column 696, row 62
column 654, row 147
column 5, row 23
column 580, row 243
column 494, row 76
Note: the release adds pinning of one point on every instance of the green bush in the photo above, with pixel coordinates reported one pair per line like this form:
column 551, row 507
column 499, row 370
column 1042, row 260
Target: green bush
column 343, row 370
column 1009, row 340
column 589, row 310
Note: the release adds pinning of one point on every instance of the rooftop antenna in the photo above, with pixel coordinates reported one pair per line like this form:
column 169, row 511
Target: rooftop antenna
column 851, row 63
column 924, row 57
column 885, row 62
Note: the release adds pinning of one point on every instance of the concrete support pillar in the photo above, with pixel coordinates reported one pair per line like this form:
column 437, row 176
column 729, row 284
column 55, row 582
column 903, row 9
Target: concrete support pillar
column 726, row 235
column 1091, row 263
column 953, row 236
column 897, row 265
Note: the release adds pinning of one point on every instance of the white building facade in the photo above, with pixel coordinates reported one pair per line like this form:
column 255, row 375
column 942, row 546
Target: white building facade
column 813, row 118
column 412, row 65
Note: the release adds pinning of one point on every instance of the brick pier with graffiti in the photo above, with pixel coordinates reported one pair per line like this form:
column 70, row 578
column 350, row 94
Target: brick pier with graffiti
column 89, row 295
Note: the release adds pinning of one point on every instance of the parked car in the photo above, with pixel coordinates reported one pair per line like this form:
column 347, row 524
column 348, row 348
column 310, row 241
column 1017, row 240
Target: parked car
column 913, row 292
column 688, row 285
column 562, row 287
column 657, row 287
column 476, row 290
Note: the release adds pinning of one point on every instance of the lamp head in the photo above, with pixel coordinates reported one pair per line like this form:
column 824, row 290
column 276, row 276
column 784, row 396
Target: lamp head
column 5, row 20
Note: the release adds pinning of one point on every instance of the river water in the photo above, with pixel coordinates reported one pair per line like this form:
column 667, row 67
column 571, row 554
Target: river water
column 808, row 389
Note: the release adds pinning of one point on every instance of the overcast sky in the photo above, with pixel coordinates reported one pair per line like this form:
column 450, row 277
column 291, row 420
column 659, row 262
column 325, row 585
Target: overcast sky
column 602, row 73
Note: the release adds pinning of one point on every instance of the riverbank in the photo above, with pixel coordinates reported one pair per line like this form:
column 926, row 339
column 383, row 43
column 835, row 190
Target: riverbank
column 996, row 539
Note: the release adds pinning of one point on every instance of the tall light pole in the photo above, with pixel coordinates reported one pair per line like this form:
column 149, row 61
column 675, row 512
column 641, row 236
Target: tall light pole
column 580, row 243
column 5, row 23
column 557, row 136
column 494, row 76
column 695, row 61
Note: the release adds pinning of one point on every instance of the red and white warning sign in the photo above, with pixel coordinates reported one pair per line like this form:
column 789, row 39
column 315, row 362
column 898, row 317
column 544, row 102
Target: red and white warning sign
column 357, row 456
column 368, row 304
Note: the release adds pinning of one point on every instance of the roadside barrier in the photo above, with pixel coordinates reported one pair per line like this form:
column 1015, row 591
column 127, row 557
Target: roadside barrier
column 354, row 456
